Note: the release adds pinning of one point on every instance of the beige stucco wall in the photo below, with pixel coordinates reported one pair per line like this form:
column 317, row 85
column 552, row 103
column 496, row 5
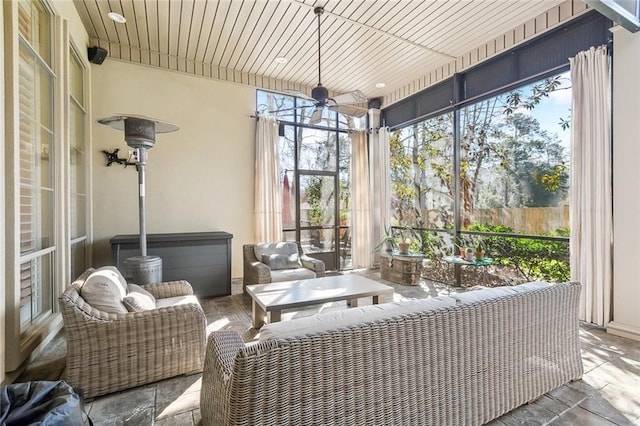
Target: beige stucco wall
column 67, row 10
column 199, row 178
column 626, row 175
column 2, row 209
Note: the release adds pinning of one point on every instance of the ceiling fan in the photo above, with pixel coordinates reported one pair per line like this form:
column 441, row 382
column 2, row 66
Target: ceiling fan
column 343, row 103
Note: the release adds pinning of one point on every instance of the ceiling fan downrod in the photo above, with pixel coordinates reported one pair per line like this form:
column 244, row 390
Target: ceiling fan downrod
column 319, row 11
column 319, row 93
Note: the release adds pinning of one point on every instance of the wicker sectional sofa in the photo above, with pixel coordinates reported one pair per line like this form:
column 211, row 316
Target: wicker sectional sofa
column 464, row 359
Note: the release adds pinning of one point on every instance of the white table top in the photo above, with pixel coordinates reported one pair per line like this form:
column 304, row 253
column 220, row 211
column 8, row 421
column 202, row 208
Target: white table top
column 292, row 294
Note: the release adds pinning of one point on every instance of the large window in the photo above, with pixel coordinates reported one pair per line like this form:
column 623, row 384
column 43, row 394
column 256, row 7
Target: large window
column 77, row 164
column 315, row 176
column 511, row 166
column 37, row 163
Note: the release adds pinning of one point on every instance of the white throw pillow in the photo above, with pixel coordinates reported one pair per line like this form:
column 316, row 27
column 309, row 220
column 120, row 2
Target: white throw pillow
column 104, row 291
column 138, row 299
column 282, row 261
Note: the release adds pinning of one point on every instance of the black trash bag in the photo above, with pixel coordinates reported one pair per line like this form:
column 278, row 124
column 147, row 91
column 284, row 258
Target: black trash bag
column 44, row 403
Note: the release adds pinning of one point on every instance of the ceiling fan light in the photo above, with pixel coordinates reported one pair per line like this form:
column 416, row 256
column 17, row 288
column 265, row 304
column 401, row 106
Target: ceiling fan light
column 316, row 117
column 116, row 17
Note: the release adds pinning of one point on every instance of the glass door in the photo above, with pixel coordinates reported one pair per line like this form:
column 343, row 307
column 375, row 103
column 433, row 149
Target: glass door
column 317, row 218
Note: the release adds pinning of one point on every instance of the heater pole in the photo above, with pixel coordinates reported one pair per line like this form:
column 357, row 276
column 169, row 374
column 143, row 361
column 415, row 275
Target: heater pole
column 142, row 161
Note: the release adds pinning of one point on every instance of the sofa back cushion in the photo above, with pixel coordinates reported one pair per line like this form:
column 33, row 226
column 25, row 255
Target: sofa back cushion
column 348, row 317
column 286, row 248
column 104, row 290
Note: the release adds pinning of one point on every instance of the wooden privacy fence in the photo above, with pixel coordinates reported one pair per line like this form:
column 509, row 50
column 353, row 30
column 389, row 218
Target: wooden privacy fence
column 525, row 220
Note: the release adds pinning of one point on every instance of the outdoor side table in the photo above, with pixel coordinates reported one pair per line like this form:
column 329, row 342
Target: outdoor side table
column 401, row 268
column 483, row 263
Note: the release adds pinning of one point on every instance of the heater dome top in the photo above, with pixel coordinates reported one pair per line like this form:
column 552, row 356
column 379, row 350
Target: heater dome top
column 116, row 121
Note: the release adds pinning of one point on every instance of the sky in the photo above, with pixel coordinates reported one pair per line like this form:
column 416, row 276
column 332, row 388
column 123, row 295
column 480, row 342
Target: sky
column 556, row 106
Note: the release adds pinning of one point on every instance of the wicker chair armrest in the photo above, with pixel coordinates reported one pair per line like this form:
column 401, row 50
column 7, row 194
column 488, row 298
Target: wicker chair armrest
column 169, row 289
column 315, row 265
column 261, row 268
column 222, row 348
column 256, row 273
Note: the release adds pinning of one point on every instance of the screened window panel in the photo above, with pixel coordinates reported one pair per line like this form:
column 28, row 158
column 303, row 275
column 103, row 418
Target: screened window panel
column 317, row 150
column 344, row 181
column 78, row 162
column 78, row 258
column 317, row 206
column 37, row 171
column 422, row 189
column 35, row 290
column 77, row 80
column 35, row 27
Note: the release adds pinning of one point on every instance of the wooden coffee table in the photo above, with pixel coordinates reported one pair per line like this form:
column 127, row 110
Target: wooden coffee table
column 268, row 300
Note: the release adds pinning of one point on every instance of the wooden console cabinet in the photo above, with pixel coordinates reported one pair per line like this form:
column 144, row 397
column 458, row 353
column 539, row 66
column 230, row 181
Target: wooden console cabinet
column 202, row 258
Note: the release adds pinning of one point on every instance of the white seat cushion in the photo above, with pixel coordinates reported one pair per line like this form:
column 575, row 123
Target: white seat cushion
column 346, row 317
column 177, row 300
column 291, row 275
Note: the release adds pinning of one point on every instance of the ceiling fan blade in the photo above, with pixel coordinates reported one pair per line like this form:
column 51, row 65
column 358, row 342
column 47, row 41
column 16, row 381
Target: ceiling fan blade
column 316, row 116
column 350, row 110
column 275, row 111
column 299, row 94
column 354, row 97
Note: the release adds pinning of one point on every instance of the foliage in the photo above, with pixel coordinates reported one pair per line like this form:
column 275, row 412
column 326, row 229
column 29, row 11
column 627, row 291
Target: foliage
column 433, row 244
column 541, row 90
column 313, row 193
column 387, row 240
column 536, row 259
column 506, row 160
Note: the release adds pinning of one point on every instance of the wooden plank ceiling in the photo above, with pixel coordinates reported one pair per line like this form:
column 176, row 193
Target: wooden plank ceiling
column 363, row 42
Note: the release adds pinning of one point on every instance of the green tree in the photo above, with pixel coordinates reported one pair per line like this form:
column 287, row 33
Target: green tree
column 499, row 145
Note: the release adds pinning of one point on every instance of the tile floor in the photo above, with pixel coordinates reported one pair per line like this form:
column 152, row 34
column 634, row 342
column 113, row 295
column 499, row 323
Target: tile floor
column 608, row 394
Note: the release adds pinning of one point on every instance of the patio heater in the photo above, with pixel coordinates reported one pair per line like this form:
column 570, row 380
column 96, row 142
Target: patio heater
column 140, row 134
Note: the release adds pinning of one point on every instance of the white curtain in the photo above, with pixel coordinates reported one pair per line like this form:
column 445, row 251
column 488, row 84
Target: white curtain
column 361, row 254
column 384, row 209
column 268, row 196
column 590, row 211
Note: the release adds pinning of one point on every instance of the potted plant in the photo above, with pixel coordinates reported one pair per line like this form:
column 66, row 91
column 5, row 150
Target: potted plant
column 468, row 256
column 479, row 250
column 387, row 243
column 404, row 244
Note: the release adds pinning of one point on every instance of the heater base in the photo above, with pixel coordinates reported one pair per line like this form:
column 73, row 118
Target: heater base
column 143, row 269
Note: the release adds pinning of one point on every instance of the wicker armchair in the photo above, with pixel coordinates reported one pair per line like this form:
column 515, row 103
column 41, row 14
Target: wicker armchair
column 256, row 272
column 110, row 352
